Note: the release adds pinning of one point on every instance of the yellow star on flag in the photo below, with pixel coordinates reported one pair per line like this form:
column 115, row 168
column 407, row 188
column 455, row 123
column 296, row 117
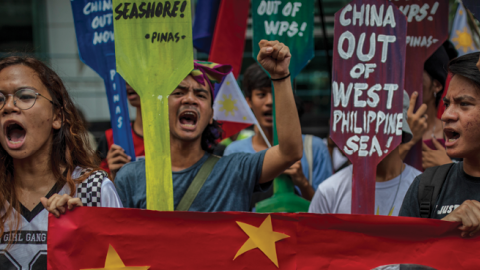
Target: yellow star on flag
column 114, row 262
column 263, row 238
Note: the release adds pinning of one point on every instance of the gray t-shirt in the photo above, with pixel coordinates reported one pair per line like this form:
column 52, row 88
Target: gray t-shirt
column 229, row 186
column 334, row 195
column 457, row 188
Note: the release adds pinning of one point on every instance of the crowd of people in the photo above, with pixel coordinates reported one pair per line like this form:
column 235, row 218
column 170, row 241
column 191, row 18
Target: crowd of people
column 49, row 166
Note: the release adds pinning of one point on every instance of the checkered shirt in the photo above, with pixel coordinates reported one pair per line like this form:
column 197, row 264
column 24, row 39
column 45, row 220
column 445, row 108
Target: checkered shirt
column 89, row 191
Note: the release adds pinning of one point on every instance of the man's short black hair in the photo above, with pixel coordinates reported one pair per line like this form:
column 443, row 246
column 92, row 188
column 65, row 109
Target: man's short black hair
column 466, row 66
column 211, row 136
column 254, row 78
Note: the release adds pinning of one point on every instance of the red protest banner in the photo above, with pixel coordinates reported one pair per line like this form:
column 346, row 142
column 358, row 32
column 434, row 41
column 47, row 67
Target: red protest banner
column 367, row 90
column 107, row 238
column 427, row 30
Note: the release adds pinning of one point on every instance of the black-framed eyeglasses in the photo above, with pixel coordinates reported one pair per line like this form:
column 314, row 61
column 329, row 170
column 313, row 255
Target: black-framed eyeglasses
column 23, row 99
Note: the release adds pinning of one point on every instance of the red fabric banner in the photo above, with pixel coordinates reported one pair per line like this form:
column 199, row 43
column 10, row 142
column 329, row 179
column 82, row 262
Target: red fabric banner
column 232, row 128
column 81, row 239
column 229, row 36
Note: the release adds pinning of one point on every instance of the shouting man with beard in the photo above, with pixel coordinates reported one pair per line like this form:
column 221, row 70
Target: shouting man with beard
column 226, row 184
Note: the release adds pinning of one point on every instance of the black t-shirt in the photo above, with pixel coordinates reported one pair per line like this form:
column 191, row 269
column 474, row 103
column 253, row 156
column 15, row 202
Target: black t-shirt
column 457, row 188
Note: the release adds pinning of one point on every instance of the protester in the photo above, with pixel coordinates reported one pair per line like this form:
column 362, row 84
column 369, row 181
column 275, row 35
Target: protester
column 457, row 184
column 393, row 178
column 113, row 156
column 424, row 123
column 230, row 181
column 258, row 93
column 46, row 163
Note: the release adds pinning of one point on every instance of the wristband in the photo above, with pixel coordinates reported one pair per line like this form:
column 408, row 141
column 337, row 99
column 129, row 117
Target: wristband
column 279, row 79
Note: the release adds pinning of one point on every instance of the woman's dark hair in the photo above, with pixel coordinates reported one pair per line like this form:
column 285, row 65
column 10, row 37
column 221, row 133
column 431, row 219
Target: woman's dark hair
column 436, row 67
column 255, row 78
column 69, row 143
column 466, row 66
column 86, row 124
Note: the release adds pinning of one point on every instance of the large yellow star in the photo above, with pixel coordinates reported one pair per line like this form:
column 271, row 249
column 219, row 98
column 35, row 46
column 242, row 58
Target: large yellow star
column 262, row 237
column 114, row 262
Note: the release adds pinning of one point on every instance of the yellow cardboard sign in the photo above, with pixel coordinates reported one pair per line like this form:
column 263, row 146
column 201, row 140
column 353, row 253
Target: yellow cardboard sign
column 154, row 52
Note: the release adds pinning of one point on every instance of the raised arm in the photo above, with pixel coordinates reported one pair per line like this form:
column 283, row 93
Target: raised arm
column 275, row 59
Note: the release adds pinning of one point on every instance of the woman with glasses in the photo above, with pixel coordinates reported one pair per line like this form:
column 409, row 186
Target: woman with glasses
column 46, row 164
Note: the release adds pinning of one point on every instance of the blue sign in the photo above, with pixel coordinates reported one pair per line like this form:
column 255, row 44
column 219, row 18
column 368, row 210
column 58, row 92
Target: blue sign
column 94, row 29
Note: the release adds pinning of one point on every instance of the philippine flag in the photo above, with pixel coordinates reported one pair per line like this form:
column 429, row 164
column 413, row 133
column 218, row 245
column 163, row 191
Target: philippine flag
column 461, row 34
column 231, row 109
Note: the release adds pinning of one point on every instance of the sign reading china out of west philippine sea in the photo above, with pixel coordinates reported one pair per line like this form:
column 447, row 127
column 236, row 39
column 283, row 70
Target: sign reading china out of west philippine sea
column 154, row 51
column 94, row 30
column 367, row 90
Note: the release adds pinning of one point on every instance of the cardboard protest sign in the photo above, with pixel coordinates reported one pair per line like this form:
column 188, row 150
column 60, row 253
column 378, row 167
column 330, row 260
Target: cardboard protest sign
column 153, row 41
column 289, row 22
column 367, row 90
column 95, row 39
column 91, row 237
column 427, row 30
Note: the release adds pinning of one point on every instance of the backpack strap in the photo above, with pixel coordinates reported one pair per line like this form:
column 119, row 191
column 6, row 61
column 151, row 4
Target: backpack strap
column 89, row 191
column 197, row 183
column 307, row 147
column 431, row 182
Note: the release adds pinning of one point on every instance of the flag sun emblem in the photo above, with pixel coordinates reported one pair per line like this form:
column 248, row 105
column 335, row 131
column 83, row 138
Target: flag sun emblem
column 228, row 105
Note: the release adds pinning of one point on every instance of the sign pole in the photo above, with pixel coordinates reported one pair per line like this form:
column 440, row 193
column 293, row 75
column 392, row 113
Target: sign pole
column 292, row 24
column 367, row 90
column 154, row 54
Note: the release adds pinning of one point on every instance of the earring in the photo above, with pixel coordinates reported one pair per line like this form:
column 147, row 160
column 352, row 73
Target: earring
column 435, row 94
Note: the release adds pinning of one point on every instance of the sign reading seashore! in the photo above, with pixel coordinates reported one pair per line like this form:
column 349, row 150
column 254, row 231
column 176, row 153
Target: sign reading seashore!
column 367, row 90
column 154, row 51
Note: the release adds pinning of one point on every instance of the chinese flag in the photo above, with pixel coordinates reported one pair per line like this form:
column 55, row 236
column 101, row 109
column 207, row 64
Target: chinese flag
column 108, row 238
